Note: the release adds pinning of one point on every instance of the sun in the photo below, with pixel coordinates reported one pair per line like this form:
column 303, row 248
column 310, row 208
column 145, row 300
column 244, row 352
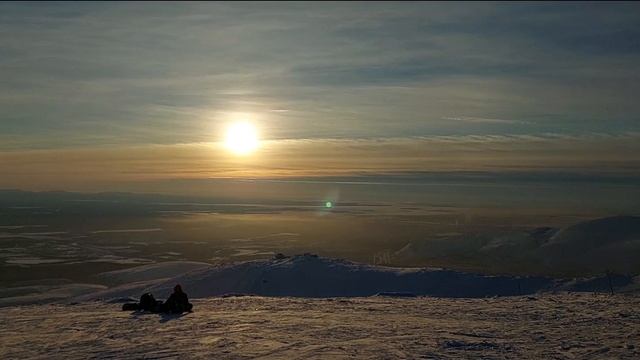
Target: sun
column 241, row 138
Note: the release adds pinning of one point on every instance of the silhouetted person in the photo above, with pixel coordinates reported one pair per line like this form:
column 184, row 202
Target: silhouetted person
column 178, row 302
column 147, row 303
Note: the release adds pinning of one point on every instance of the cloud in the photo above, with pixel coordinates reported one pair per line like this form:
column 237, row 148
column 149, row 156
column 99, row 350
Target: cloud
column 483, row 120
column 132, row 74
column 105, row 167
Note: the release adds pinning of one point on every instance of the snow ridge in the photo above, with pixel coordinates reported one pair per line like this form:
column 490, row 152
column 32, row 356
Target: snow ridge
column 318, row 277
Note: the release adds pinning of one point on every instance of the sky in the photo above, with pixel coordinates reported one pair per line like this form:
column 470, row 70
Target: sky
column 98, row 95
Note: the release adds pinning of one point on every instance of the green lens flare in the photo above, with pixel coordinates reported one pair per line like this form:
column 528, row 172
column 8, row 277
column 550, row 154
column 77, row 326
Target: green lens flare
column 328, row 204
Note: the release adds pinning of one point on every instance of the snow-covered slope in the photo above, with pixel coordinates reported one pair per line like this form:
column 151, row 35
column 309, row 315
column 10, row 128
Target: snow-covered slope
column 163, row 270
column 586, row 248
column 312, row 276
column 560, row 326
column 599, row 232
column 595, row 246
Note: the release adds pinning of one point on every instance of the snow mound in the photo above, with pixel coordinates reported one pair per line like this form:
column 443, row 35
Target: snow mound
column 600, row 232
column 149, row 272
column 596, row 246
column 587, row 248
column 313, row 276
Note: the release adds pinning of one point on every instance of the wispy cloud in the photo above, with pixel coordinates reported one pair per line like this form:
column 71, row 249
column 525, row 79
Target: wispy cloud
column 107, row 167
column 472, row 119
column 136, row 73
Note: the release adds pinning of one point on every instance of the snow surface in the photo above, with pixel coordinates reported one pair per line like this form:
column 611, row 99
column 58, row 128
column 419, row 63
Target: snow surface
column 163, row 270
column 611, row 243
column 559, row 326
column 589, row 247
column 313, row 276
column 600, row 232
column 303, row 276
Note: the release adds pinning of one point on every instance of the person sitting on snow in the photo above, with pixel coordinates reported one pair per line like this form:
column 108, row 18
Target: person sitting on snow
column 147, row 303
column 178, row 302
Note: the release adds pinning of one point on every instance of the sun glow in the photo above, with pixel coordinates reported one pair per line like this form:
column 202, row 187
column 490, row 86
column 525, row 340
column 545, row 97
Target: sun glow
column 241, row 138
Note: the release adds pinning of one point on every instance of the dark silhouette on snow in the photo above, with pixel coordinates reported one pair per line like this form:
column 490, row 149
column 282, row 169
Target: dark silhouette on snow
column 178, row 302
column 149, row 303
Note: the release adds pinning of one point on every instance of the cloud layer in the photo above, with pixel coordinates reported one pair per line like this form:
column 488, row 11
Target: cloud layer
column 135, row 73
column 587, row 156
